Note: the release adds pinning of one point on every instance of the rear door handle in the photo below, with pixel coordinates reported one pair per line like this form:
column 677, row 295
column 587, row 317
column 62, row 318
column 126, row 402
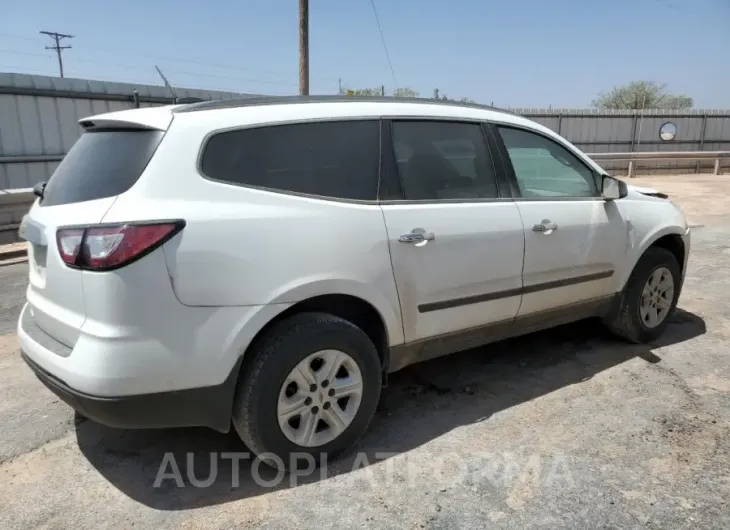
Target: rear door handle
column 417, row 235
column 547, row 227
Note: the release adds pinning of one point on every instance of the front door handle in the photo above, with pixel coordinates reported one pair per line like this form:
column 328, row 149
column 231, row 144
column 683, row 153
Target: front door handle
column 417, row 235
column 547, row 227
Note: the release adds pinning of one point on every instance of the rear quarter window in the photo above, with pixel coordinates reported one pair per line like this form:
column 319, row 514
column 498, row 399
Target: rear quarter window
column 101, row 164
column 338, row 159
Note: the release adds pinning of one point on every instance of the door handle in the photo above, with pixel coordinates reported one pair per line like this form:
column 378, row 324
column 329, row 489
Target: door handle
column 547, row 227
column 418, row 235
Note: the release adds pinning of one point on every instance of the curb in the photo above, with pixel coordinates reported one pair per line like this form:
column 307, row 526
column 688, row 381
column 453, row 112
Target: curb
column 9, row 257
column 16, row 261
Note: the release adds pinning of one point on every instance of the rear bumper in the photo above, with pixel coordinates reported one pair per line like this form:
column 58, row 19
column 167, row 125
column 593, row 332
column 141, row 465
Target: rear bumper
column 132, row 336
column 173, row 367
column 163, row 353
column 204, row 407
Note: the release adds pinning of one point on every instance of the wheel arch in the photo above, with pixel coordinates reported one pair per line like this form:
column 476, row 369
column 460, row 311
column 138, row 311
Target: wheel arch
column 348, row 307
column 356, row 309
column 669, row 238
column 674, row 244
column 377, row 315
column 377, row 296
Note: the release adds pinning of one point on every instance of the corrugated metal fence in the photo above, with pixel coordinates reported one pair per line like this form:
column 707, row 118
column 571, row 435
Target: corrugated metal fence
column 39, row 118
column 39, row 115
column 624, row 131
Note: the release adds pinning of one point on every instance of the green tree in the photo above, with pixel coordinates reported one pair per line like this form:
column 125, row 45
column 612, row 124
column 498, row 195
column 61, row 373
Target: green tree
column 642, row 95
column 444, row 97
column 397, row 93
column 405, row 93
column 361, row 91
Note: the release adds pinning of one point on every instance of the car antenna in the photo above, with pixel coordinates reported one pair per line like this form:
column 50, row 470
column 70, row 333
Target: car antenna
column 176, row 100
column 167, row 83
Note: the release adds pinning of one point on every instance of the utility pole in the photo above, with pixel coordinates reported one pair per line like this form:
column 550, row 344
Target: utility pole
column 435, row 93
column 57, row 39
column 382, row 90
column 304, row 47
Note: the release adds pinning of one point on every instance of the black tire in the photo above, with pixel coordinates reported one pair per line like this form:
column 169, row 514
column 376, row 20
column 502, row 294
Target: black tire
column 626, row 321
column 275, row 356
column 79, row 418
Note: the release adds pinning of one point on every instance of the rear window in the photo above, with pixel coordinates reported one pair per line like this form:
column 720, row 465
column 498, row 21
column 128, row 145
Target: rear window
column 337, row 159
column 101, row 164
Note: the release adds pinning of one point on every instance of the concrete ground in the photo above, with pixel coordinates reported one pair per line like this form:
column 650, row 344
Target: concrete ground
column 562, row 429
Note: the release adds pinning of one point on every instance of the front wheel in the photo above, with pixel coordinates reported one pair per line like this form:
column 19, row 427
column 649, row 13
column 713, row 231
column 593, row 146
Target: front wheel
column 310, row 392
column 649, row 298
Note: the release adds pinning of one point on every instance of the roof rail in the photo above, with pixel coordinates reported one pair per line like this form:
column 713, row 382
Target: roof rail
column 187, row 100
column 284, row 100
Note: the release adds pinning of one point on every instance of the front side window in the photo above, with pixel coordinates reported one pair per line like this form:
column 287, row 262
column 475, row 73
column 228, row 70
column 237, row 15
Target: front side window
column 338, row 159
column 544, row 168
column 440, row 160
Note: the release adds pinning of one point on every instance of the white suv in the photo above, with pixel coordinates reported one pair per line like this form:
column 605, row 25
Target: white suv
column 266, row 262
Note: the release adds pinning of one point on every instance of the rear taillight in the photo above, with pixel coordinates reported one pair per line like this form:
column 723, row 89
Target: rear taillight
column 108, row 247
column 69, row 244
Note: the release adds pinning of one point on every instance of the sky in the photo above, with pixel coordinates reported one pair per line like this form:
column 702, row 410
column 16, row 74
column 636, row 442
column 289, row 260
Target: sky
column 510, row 53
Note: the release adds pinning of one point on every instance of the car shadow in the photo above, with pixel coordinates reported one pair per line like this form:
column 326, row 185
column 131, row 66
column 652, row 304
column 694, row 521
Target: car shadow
column 421, row 403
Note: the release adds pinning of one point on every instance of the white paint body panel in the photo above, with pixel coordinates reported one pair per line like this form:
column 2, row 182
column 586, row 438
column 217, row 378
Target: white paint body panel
column 590, row 239
column 55, row 292
column 477, row 249
column 648, row 219
column 181, row 316
column 137, row 338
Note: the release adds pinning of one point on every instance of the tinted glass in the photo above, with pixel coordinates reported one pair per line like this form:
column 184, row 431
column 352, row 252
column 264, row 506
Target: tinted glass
column 443, row 160
column 544, row 168
column 101, row 164
column 331, row 159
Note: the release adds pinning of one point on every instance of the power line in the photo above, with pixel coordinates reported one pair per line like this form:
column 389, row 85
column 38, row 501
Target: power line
column 97, row 49
column 23, row 69
column 135, row 79
column 57, row 38
column 151, row 68
column 35, row 54
column 199, row 74
column 385, row 46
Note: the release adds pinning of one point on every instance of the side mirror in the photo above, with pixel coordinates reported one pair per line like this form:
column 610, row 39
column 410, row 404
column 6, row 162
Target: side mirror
column 612, row 188
column 39, row 189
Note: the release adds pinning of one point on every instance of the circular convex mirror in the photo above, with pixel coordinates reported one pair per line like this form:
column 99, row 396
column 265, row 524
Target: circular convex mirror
column 667, row 131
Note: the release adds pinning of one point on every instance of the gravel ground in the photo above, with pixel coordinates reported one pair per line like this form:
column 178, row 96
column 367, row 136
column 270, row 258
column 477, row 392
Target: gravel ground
column 567, row 428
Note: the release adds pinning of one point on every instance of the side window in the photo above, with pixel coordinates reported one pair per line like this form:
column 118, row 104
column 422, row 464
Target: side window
column 544, row 168
column 331, row 159
column 443, row 160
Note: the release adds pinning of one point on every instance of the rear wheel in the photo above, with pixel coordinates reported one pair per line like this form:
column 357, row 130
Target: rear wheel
column 649, row 298
column 311, row 390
